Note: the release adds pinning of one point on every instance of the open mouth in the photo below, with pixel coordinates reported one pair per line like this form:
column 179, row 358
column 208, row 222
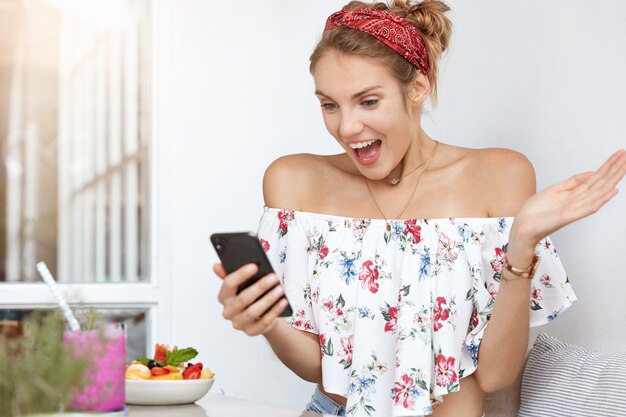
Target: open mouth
column 366, row 152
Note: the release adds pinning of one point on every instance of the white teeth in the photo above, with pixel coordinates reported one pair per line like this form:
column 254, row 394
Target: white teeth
column 359, row 145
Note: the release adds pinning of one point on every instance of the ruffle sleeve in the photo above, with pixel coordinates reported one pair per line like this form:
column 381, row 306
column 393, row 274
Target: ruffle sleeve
column 285, row 244
column 550, row 293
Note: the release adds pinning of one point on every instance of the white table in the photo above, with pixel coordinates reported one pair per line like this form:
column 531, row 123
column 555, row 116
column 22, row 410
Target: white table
column 216, row 405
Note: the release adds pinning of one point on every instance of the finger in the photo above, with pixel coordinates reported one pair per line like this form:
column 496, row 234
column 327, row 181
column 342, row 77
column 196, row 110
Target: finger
column 616, row 173
column 605, row 198
column 609, row 165
column 219, row 270
column 236, row 305
column 267, row 321
column 585, row 210
column 253, row 313
column 250, row 294
column 247, row 298
column 575, row 180
column 257, row 309
column 233, row 280
column 610, row 180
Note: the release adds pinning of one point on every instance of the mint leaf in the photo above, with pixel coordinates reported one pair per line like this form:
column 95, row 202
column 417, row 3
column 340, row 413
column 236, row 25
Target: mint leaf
column 145, row 361
column 181, row 355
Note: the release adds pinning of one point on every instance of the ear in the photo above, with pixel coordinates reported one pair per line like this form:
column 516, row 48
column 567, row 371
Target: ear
column 419, row 90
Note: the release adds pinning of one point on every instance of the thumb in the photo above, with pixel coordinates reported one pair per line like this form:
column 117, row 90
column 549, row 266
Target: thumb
column 219, row 270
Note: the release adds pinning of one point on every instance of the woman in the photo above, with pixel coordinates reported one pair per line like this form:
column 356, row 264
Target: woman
column 409, row 263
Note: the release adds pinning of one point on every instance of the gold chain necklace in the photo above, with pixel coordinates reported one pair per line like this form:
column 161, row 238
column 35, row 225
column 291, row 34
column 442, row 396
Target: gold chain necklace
column 429, row 160
column 395, row 181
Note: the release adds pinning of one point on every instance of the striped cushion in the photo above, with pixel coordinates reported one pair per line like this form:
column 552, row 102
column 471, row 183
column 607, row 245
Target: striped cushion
column 567, row 380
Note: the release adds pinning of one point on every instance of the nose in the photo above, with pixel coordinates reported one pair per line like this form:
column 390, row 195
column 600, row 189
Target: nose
column 349, row 125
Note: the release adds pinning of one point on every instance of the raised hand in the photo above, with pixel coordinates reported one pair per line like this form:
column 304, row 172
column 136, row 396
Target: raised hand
column 568, row 201
column 246, row 312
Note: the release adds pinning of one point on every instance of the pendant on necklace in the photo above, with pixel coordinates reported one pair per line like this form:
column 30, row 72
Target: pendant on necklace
column 388, row 228
column 394, row 181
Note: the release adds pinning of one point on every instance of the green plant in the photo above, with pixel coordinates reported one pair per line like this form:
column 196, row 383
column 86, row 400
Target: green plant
column 38, row 373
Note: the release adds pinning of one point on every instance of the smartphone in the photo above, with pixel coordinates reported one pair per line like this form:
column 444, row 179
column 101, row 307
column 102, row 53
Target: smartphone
column 238, row 249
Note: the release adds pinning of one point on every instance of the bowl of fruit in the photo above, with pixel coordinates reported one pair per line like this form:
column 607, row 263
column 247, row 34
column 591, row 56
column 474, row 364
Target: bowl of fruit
column 168, row 378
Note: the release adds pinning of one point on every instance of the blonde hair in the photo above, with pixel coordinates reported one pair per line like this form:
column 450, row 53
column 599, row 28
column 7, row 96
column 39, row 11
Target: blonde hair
column 428, row 17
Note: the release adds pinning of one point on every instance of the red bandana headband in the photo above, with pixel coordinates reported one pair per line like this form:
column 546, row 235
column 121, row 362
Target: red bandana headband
column 394, row 31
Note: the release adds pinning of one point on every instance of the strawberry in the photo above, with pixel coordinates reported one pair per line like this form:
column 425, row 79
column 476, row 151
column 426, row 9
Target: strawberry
column 160, row 353
column 158, row 371
column 193, row 371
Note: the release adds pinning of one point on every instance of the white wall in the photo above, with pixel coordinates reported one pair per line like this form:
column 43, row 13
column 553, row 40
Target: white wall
column 546, row 79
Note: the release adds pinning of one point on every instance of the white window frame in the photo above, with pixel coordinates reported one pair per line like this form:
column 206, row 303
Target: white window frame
column 156, row 295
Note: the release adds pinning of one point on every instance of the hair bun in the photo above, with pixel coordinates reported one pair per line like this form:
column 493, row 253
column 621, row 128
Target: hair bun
column 429, row 18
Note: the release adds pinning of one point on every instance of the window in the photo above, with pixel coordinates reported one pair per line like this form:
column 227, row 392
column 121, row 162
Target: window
column 75, row 179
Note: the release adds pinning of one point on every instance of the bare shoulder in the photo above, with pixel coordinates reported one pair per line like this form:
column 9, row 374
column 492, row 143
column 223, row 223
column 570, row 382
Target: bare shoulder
column 505, row 177
column 287, row 180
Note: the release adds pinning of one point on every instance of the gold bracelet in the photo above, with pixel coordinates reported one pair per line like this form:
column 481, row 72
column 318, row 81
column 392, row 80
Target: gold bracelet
column 528, row 272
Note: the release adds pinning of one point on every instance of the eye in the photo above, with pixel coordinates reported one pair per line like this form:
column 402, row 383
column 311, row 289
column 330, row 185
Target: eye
column 369, row 103
column 329, row 107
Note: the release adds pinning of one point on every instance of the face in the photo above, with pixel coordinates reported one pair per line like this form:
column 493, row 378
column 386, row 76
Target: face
column 365, row 110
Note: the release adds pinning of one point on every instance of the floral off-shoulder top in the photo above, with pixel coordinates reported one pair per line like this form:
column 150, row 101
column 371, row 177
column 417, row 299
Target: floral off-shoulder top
column 400, row 314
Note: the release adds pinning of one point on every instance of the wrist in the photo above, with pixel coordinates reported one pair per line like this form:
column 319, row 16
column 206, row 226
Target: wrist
column 519, row 255
column 515, row 272
column 521, row 236
column 520, row 249
column 274, row 329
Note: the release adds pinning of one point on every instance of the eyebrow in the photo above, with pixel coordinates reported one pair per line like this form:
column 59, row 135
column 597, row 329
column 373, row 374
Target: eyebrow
column 360, row 93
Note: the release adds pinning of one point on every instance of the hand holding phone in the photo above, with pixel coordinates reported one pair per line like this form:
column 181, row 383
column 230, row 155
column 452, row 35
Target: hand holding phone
column 238, row 249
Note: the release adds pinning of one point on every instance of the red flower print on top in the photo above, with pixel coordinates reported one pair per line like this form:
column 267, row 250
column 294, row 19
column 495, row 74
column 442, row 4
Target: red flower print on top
column 403, row 392
column 326, row 345
column 497, row 263
column 444, row 370
column 299, row 321
column 414, row 230
column 323, row 252
column 474, row 318
column 265, row 244
column 545, row 281
column 328, row 304
column 285, row 217
column 368, row 275
column 441, row 312
column 535, row 297
column 391, row 317
column 536, row 294
column 346, row 352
